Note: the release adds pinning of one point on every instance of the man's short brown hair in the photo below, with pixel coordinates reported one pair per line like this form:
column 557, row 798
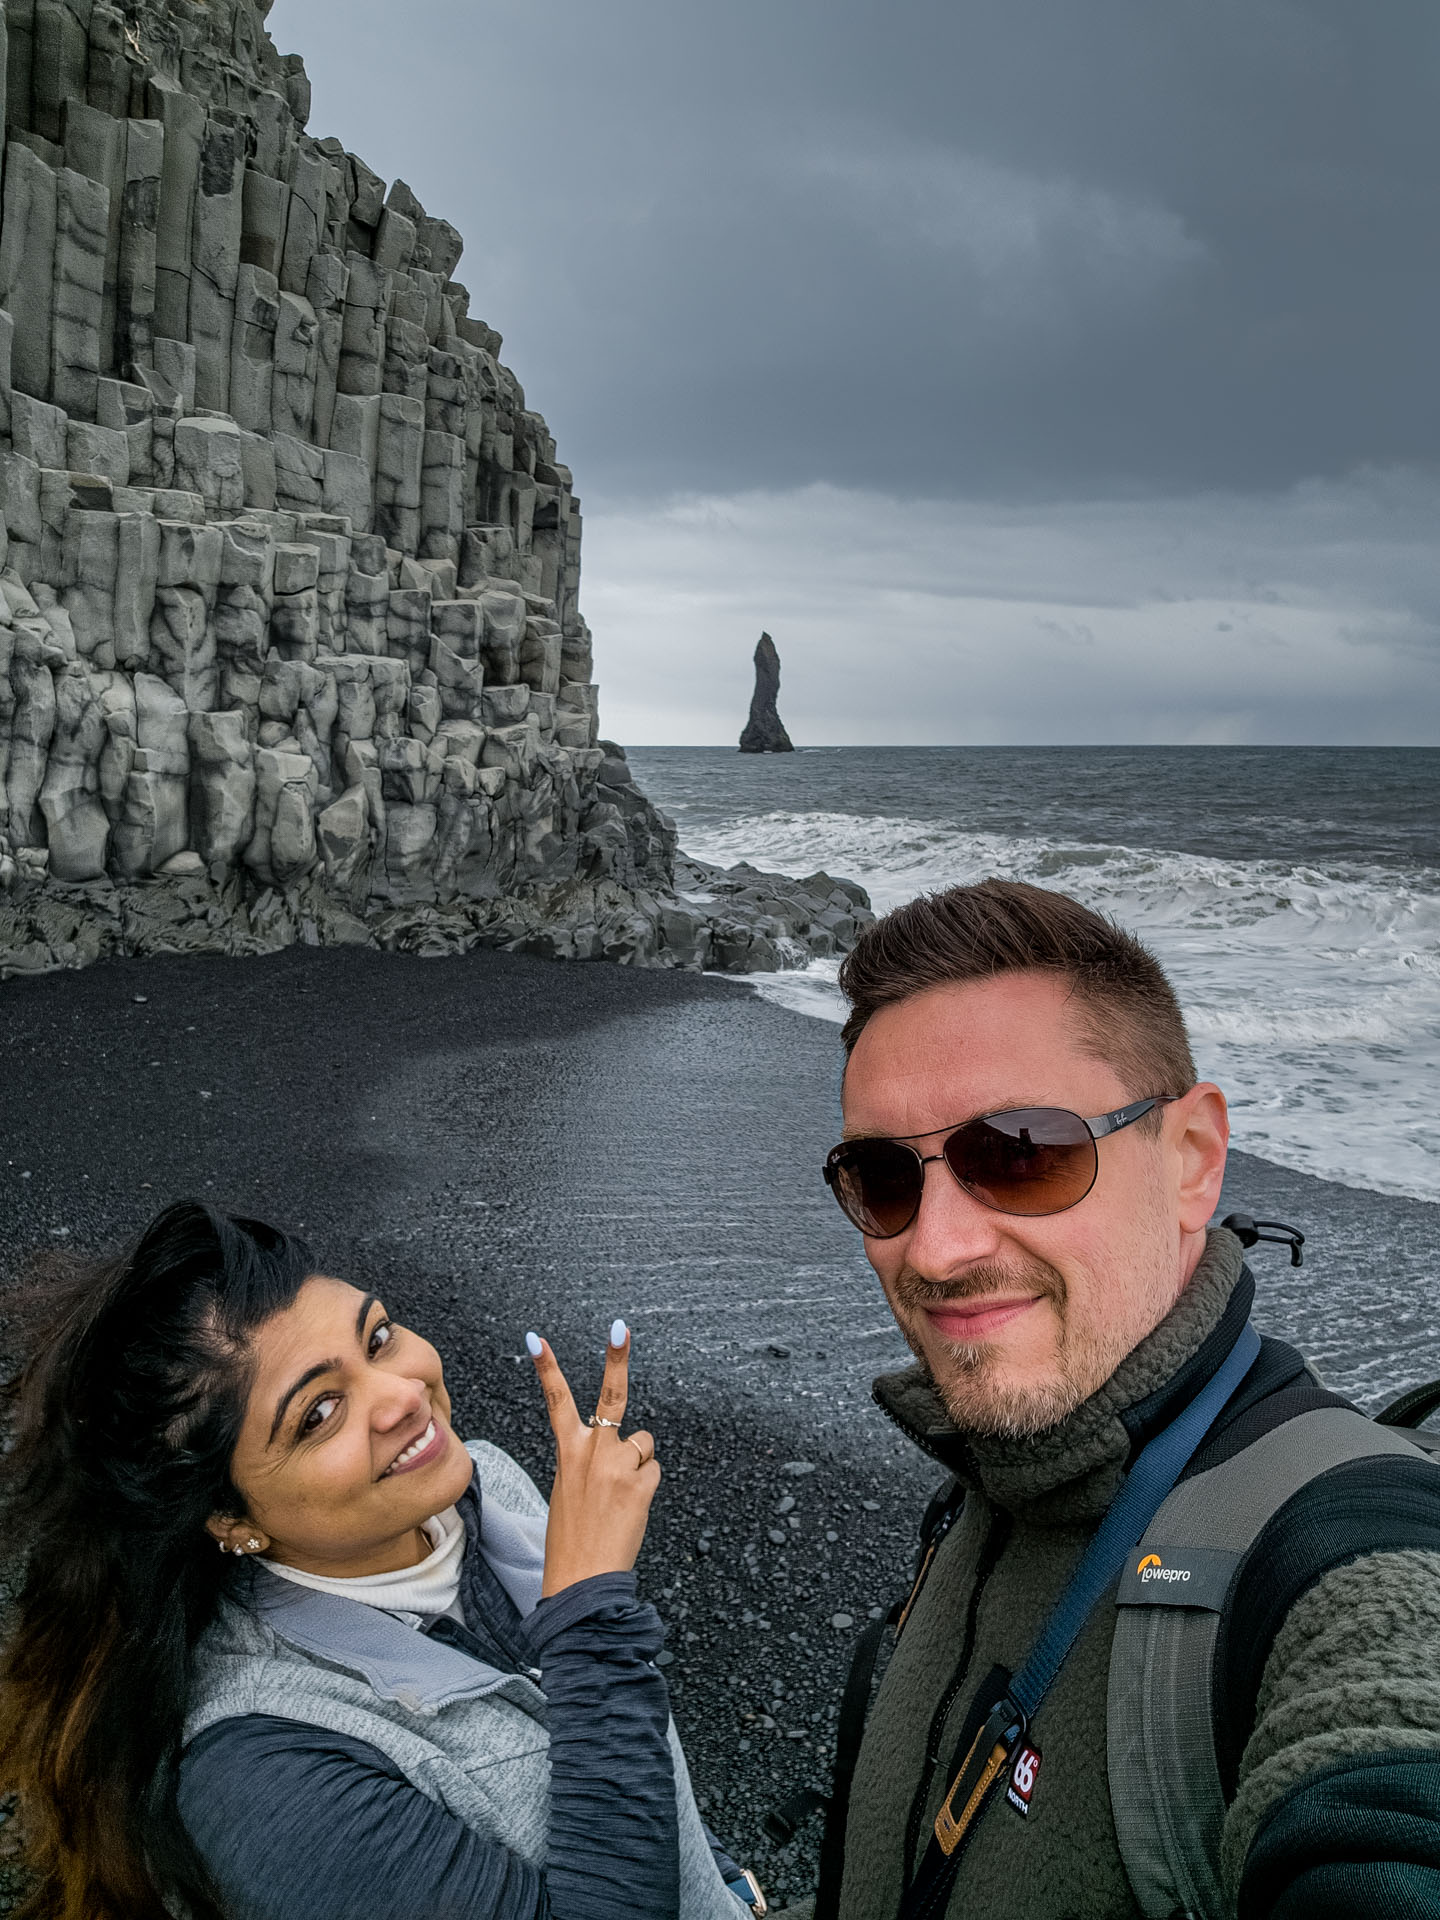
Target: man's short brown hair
column 1128, row 1008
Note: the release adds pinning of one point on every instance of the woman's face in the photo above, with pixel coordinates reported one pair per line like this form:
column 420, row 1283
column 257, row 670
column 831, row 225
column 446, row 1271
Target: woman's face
column 347, row 1444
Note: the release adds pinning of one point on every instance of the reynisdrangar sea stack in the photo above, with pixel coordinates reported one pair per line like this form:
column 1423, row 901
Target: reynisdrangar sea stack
column 764, row 732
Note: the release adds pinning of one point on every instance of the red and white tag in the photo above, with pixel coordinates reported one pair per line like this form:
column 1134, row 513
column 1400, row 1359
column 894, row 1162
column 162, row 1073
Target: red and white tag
column 1023, row 1776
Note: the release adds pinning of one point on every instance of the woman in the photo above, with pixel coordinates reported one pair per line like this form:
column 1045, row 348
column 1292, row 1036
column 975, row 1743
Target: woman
column 287, row 1647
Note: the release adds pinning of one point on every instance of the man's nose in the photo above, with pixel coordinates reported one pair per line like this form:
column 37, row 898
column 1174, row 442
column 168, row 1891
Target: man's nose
column 952, row 1229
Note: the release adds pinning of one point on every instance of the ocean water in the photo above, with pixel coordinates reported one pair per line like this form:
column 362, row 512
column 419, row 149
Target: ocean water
column 1293, row 894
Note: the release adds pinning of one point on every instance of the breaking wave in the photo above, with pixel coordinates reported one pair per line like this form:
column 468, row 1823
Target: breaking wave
column 1312, row 993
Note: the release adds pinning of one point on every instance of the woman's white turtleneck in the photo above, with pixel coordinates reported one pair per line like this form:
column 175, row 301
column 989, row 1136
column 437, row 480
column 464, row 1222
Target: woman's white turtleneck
column 431, row 1588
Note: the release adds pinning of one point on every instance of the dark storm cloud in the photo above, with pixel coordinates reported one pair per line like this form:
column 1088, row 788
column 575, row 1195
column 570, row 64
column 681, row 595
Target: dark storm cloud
column 1031, row 369
column 933, row 245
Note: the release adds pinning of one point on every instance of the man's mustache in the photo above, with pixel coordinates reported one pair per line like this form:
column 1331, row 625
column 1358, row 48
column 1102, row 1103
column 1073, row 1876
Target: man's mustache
column 915, row 1291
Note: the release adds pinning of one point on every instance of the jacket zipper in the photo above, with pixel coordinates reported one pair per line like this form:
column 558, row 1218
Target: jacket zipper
column 919, row 1440
column 922, row 1574
column 997, row 1534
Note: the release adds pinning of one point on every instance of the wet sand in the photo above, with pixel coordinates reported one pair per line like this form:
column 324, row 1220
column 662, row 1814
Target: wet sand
column 494, row 1143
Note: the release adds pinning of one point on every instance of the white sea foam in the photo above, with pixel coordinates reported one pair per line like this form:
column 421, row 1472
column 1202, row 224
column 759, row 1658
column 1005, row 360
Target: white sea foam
column 1312, row 994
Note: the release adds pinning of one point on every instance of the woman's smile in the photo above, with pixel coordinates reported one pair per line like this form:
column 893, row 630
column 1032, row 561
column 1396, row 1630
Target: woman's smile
column 423, row 1451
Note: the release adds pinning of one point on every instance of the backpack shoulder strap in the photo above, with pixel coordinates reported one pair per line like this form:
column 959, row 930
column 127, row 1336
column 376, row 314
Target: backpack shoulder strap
column 1165, row 1785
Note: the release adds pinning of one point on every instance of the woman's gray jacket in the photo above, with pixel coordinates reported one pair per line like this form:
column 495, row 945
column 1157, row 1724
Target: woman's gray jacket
column 342, row 1760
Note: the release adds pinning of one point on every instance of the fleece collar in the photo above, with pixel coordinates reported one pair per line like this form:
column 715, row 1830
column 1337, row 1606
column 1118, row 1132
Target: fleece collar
column 1071, row 1472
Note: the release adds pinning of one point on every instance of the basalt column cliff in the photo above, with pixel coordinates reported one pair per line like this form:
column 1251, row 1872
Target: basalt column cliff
column 290, row 640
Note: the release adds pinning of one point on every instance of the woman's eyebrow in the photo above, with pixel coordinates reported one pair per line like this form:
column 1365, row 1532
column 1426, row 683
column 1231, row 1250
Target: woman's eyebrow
column 323, row 1366
column 311, row 1373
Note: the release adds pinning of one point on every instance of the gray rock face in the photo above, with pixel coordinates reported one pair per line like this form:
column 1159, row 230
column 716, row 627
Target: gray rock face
column 763, row 731
column 290, row 637
column 222, row 787
column 761, row 922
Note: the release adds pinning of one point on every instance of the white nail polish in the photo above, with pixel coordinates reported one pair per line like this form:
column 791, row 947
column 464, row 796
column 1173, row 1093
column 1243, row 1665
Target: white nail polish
column 534, row 1345
column 618, row 1330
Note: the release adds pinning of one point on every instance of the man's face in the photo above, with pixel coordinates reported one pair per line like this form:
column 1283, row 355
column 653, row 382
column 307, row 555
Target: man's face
column 1020, row 1319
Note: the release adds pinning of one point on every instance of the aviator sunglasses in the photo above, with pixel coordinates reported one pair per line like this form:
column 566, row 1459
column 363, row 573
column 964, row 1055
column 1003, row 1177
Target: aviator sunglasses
column 1030, row 1161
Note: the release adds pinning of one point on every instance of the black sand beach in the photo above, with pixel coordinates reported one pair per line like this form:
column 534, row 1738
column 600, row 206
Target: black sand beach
column 496, row 1143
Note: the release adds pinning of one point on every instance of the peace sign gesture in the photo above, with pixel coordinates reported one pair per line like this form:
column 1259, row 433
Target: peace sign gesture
column 600, row 1502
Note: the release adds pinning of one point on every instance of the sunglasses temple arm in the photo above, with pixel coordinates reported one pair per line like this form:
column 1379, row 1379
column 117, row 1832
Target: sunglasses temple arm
column 1104, row 1123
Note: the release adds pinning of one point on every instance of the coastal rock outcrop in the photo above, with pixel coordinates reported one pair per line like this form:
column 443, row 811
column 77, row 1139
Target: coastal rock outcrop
column 290, row 638
column 763, row 730
column 765, row 922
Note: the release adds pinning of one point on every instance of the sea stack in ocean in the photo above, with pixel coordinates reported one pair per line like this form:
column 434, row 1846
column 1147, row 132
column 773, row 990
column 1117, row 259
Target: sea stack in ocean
column 290, row 639
column 763, row 730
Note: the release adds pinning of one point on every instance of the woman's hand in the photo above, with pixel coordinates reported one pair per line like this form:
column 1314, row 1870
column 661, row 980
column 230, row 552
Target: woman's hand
column 600, row 1503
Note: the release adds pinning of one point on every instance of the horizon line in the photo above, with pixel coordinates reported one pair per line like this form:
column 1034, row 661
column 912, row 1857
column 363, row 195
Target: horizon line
column 1047, row 746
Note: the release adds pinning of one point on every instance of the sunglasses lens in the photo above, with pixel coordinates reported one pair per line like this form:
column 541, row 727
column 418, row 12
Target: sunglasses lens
column 878, row 1185
column 1035, row 1160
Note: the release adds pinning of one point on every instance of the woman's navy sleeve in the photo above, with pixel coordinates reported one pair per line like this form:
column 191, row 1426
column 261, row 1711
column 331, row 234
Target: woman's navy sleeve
column 297, row 1823
column 614, row 1830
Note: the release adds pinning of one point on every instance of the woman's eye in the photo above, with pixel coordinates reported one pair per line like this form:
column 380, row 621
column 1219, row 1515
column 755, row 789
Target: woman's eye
column 319, row 1413
column 380, row 1337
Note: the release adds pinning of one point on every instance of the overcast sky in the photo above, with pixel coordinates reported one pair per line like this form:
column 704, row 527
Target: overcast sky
column 1032, row 370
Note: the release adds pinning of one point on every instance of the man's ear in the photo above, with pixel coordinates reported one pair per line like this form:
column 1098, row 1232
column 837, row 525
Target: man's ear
column 1202, row 1140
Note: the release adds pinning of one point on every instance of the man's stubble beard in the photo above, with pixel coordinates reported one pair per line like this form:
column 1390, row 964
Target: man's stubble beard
column 977, row 1399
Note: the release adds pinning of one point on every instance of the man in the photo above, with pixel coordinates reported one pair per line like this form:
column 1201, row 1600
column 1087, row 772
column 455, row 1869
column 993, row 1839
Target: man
column 1034, row 1166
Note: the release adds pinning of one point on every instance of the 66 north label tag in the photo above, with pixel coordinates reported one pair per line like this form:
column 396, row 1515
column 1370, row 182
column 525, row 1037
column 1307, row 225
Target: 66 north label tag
column 1023, row 1776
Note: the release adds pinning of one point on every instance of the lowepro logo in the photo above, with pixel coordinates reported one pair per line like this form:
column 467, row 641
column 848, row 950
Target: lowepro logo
column 1177, row 1575
column 1152, row 1567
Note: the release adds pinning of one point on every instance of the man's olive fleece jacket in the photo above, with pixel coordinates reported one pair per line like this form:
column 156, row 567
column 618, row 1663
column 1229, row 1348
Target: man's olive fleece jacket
column 1336, row 1787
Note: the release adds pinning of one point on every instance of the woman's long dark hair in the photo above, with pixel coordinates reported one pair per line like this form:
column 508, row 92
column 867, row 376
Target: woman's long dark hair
column 128, row 1417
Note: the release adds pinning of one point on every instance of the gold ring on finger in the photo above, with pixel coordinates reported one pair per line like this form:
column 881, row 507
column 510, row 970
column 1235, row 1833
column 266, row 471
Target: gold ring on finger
column 643, row 1457
column 599, row 1420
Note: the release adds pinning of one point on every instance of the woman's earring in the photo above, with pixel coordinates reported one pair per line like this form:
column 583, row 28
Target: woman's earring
column 252, row 1545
